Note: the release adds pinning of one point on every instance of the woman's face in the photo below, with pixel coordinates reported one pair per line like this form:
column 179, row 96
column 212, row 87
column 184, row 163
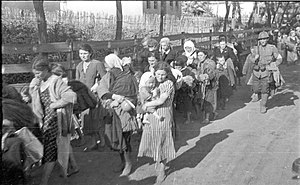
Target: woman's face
column 152, row 61
column 41, row 75
column 222, row 45
column 188, row 49
column 84, row 55
column 164, row 46
column 201, row 56
column 160, row 75
column 151, row 48
column 293, row 33
column 178, row 67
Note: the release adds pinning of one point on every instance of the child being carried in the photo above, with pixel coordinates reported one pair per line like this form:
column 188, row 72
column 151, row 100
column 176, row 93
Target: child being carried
column 148, row 92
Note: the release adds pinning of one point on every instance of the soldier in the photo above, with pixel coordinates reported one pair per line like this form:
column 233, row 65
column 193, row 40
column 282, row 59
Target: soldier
column 266, row 57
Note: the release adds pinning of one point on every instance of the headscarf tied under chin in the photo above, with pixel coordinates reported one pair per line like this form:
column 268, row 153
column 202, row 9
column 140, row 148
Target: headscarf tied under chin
column 112, row 60
column 191, row 45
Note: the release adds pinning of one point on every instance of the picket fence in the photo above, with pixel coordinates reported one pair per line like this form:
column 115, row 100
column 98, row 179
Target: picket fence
column 100, row 21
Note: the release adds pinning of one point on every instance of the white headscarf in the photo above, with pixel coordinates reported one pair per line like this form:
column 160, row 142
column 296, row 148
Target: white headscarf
column 191, row 45
column 190, row 55
column 112, row 60
column 145, row 77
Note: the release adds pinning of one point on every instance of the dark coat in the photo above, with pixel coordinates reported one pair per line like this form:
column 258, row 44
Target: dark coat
column 85, row 98
column 226, row 53
column 170, row 57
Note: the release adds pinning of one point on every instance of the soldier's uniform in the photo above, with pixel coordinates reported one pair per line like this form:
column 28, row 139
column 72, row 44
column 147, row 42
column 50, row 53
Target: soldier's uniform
column 261, row 71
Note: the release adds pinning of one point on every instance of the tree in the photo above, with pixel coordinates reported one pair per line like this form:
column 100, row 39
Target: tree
column 226, row 15
column 196, row 8
column 162, row 14
column 252, row 13
column 119, row 20
column 41, row 22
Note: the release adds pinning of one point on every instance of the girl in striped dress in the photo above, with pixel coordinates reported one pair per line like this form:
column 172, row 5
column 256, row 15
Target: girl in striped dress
column 157, row 141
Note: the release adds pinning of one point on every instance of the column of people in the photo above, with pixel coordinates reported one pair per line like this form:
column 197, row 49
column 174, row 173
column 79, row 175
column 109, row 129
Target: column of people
column 123, row 96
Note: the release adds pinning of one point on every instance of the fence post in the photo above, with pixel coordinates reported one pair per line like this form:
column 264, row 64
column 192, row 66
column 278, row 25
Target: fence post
column 182, row 39
column 70, row 60
column 210, row 39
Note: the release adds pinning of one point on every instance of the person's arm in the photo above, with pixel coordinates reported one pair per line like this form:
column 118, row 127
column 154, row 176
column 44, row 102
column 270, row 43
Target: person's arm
column 163, row 96
column 77, row 74
column 101, row 69
column 68, row 96
column 277, row 56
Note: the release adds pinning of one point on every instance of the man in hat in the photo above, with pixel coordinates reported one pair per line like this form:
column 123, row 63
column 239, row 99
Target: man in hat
column 266, row 57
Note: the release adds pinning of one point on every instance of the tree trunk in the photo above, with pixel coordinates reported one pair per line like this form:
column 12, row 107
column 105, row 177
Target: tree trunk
column 269, row 14
column 239, row 13
column 233, row 20
column 162, row 14
column 119, row 20
column 251, row 15
column 226, row 16
column 285, row 8
column 41, row 22
column 274, row 13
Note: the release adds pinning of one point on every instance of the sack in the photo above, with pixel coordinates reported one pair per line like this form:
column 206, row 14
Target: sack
column 34, row 149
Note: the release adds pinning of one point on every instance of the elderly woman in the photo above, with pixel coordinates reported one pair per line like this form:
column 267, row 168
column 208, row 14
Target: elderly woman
column 167, row 54
column 157, row 141
column 206, row 74
column 52, row 102
column 119, row 88
column 190, row 53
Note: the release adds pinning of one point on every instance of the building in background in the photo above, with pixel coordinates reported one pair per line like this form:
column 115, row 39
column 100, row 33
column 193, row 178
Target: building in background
column 129, row 8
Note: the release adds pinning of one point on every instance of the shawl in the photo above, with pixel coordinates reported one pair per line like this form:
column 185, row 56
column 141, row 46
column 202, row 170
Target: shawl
column 60, row 94
column 112, row 60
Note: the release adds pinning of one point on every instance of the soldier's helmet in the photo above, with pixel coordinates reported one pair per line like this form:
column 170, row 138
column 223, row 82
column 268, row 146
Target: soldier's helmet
column 263, row 35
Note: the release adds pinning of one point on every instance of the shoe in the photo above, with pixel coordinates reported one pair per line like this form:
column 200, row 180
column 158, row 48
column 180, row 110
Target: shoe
column 205, row 122
column 127, row 169
column 73, row 173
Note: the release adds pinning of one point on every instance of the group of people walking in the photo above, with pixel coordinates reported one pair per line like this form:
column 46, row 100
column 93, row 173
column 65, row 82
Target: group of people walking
column 110, row 100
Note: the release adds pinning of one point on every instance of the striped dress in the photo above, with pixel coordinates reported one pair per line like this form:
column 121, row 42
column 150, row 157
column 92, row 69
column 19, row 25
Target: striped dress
column 157, row 141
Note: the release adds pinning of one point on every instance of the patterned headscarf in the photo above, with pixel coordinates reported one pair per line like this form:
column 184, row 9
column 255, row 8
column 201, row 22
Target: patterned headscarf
column 112, row 60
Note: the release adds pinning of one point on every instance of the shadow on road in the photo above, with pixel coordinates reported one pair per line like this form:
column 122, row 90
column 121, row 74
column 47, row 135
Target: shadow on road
column 282, row 99
column 192, row 157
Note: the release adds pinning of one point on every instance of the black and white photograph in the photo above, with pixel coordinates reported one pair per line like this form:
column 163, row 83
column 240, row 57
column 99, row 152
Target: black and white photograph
column 150, row 92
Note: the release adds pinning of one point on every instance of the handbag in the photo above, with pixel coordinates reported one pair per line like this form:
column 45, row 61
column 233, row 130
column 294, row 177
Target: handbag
column 34, row 149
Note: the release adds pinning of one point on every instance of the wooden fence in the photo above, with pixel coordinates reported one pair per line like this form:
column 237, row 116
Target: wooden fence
column 100, row 21
column 248, row 36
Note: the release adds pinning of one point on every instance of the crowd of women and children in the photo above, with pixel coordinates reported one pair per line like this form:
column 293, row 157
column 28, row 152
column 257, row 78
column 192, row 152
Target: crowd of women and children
column 110, row 100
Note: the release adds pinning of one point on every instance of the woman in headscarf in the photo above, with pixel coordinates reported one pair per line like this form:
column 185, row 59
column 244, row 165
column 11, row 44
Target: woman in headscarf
column 52, row 103
column 116, row 88
column 190, row 53
column 167, row 54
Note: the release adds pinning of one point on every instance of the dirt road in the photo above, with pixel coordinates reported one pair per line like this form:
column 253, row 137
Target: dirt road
column 241, row 147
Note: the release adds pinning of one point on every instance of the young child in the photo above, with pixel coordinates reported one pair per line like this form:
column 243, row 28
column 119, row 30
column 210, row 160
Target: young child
column 148, row 92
